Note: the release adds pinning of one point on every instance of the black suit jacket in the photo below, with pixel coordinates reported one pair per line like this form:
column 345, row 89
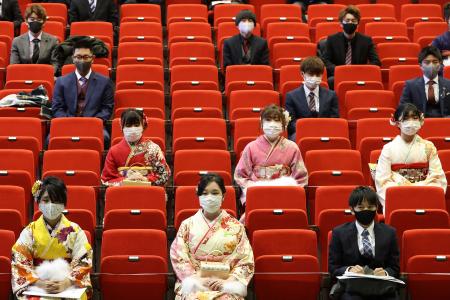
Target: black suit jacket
column 344, row 251
column 297, row 105
column 414, row 92
column 363, row 51
column 232, row 51
column 105, row 10
column 11, row 12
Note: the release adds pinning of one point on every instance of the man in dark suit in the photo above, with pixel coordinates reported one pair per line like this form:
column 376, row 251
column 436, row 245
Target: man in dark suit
column 83, row 93
column 34, row 46
column 431, row 92
column 364, row 242
column 310, row 100
column 348, row 47
column 93, row 10
column 245, row 48
column 10, row 11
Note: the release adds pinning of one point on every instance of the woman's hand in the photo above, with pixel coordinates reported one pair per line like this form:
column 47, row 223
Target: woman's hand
column 54, row 287
column 137, row 176
column 215, row 284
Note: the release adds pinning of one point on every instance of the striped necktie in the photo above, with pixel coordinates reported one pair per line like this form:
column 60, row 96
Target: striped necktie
column 312, row 102
column 367, row 246
column 348, row 55
column 92, row 6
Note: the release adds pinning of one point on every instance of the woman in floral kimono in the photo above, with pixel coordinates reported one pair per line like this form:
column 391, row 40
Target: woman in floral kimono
column 47, row 239
column 271, row 156
column 211, row 237
column 135, row 159
column 408, row 159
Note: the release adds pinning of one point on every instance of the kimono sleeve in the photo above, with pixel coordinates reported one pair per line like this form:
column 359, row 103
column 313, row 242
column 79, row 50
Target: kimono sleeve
column 244, row 168
column 242, row 261
column 81, row 264
column 161, row 172
column 436, row 175
column 180, row 255
column 110, row 174
column 298, row 167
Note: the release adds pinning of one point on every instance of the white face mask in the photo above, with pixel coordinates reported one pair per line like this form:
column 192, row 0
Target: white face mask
column 410, row 127
column 210, row 203
column 132, row 134
column 245, row 28
column 312, row 81
column 272, row 129
column 51, row 211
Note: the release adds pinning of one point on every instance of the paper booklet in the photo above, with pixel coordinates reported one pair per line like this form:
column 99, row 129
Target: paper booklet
column 71, row 293
column 350, row 275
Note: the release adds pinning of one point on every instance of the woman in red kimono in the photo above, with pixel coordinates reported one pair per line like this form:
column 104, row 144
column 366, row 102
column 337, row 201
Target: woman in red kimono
column 135, row 159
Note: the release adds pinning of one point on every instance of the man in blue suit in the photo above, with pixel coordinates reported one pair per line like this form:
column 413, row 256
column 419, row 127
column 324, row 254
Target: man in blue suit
column 310, row 100
column 431, row 92
column 83, row 93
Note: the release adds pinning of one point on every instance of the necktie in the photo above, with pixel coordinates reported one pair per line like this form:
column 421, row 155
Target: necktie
column 312, row 102
column 92, row 6
column 245, row 46
column 35, row 56
column 348, row 55
column 83, row 84
column 367, row 246
column 431, row 96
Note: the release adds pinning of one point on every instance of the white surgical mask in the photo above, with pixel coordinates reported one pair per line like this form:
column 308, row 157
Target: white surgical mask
column 210, row 203
column 312, row 81
column 132, row 134
column 272, row 129
column 410, row 127
column 245, row 28
column 51, row 211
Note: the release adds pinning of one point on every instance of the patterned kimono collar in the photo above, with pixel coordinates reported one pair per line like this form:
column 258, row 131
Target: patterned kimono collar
column 51, row 245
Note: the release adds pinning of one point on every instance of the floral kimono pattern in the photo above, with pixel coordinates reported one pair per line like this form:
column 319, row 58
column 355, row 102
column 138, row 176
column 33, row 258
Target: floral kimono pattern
column 224, row 240
column 144, row 154
column 415, row 163
column 36, row 244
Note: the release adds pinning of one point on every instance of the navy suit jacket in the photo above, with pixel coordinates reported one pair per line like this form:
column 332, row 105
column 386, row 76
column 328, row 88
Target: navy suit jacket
column 344, row 251
column 297, row 105
column 414, row 92
column 99, row 97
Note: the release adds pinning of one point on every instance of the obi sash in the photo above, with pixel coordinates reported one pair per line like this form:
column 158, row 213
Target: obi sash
column 412, row 172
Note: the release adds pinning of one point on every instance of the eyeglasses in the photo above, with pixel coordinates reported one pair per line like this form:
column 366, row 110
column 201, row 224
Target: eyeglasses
column 82, row 57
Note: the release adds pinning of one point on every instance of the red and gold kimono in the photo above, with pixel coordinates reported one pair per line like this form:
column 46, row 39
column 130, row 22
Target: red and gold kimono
column 144, row 154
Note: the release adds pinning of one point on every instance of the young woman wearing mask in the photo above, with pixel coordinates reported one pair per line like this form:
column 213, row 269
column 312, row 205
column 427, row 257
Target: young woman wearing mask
column 408, row 159
column 135, row 158
column 211, row 235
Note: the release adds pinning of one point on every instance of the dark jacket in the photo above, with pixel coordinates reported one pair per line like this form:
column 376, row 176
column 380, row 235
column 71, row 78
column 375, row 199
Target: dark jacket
column 105, row 10
column 11, row 12
column 233, row 53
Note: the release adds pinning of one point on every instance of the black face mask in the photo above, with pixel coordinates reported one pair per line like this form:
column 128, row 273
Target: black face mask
column 365, row 217
column 83, row 67
column 35, row 26
column 349, row 28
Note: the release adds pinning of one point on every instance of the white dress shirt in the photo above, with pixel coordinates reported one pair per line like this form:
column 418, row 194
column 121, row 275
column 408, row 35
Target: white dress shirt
column 371, row 237
column 31, row 38
column 79, row 76
column 435, row 86
column 316, row 96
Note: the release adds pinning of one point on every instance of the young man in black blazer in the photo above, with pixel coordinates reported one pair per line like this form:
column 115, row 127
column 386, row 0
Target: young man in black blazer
column 348, row 47
column 310, row 100
column 245, row 48
column 364, row 242
column 93, row 10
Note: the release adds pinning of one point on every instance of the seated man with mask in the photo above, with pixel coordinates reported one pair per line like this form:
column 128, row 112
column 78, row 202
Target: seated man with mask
column 245, row 48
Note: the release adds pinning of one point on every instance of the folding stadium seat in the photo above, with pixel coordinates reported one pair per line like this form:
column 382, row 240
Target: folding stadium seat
column 140, row 53
column 322, row 133
column 204, row 133
column 245, row 131
column 426, row 32
column 98, row 29
column 413, row 13
column 156, row 131
column 54, row 28
column 190, row 164
column 248, row 77
column 355, row 77
column 323, row 13
column 375, row 13
column 98, row 68
column 140, row 32
column 25, row 111
column 56, row 12
column 13, row 198
column 287, row 32
column 275, row 207
column 76, row 133
column 249, row 103
column 323, row 30
column 397, row 4
column 330, row 197
column 200, row 77
column 8, row 239
column 192, row 53
column 4, row 61
column 187, row 13
column 186, row 203
column 397, row 54
column 399, row 74
column 7, row 34
column 291, row 53
column 83, row 167
column 137, row 212
column 140, row 77
column 29, row 77
column 146, row 255
column 82, row 197
column 227, row 13
column 279, row 13
column 140, row 13
column 259, row 3
column 189, row 32
column 196, row 104
column 150, row 101
column 352, row 2
column 387, row 32
column 437, row 130
column 369, row 104
column 334, row 167
column 286, row 251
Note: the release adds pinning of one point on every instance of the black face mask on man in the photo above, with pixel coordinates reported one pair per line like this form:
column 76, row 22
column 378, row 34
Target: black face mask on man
column 35, row 26
column 349, row 28
column 365, row 217
column 82, row 66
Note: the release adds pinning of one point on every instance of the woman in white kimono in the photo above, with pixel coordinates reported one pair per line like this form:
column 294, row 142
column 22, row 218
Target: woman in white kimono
column 52, row 253
column 211, row 237
column 408, row 159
